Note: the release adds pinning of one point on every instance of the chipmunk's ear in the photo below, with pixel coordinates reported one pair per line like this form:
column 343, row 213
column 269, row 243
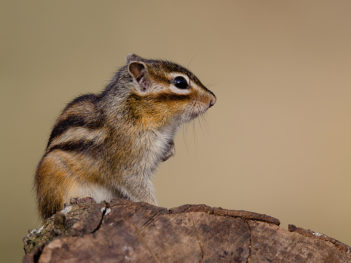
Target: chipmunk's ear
column 138, row 71
column 133, row 57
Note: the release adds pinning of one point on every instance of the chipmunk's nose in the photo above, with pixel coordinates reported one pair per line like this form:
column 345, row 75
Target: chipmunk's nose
column 213, row 99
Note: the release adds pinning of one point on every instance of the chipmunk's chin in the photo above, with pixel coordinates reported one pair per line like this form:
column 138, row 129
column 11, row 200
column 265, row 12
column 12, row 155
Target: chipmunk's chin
column 194, row 115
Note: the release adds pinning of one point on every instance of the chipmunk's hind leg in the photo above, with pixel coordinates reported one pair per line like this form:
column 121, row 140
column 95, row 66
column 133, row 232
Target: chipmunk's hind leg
column 52, row 182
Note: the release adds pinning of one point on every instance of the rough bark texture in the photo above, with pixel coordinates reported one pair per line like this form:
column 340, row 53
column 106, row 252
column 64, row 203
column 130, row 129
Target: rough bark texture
column 124, row 231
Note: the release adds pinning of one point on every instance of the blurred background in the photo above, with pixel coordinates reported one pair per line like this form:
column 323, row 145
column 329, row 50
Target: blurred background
column 278, row 141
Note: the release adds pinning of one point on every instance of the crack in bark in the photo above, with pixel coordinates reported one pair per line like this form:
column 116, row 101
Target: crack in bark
column 36, row 254
column 198, row 239
column 101, row 219
column 250, row 245
column 149, row 221
column 140, row 237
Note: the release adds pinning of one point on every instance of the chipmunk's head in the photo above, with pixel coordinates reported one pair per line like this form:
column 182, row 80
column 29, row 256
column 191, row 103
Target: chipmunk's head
column 163, row 92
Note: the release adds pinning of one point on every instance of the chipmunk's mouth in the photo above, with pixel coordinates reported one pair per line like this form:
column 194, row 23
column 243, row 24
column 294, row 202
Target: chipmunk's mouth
column 199, row 111
column 195, row 109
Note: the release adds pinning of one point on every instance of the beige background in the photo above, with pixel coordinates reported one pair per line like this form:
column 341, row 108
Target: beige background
column 278, row 141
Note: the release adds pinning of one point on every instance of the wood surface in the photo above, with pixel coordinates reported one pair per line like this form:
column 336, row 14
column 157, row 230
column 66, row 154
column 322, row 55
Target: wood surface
column 125, row 231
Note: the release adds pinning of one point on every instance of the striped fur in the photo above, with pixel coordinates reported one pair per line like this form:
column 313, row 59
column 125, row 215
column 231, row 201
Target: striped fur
column 108, row 145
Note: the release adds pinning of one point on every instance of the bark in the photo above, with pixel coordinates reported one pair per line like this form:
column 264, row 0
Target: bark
column 124, row 231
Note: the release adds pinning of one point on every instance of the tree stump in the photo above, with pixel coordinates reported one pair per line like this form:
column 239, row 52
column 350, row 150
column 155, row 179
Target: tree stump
column 125, row 231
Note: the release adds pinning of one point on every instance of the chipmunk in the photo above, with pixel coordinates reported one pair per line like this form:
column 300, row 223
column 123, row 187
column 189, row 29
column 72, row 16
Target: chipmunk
column 107, row 145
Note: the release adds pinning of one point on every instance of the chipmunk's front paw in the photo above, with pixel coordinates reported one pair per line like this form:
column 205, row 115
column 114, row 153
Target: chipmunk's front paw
column 170, row 152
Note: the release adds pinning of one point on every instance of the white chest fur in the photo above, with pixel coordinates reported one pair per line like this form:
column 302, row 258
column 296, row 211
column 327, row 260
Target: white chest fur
column 97, row 192
column 158, row 144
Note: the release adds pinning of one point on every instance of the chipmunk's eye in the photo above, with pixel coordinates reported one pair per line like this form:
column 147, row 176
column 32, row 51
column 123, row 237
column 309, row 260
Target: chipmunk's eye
column 180, row 82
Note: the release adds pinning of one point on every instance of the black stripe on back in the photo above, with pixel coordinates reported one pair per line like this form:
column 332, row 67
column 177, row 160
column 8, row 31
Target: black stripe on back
column 77, row 146
column 73, row 121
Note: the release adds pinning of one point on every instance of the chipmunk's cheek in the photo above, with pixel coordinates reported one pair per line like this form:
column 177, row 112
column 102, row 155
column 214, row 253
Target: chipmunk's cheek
column 190, row 112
